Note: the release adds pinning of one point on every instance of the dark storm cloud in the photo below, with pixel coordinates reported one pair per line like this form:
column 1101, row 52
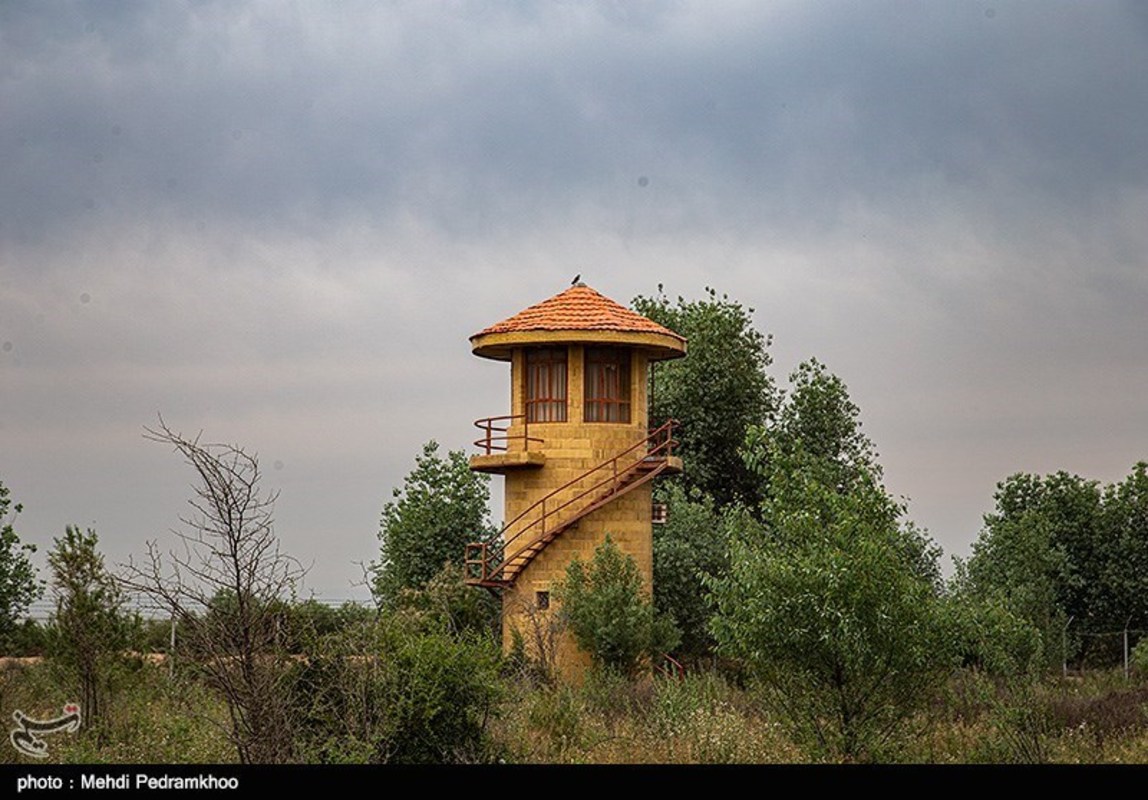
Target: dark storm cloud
column 473, row 114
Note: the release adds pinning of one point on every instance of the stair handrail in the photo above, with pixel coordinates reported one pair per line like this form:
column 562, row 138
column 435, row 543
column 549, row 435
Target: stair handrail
column 490, row 442
column 664, row 447
column 668, row 444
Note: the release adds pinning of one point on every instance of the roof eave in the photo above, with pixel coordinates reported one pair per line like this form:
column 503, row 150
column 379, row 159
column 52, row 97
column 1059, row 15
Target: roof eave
column 499, row 346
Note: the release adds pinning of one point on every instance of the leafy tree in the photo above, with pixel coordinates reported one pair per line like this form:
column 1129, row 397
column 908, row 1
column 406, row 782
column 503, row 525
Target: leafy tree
column 828, row 613
column 310, row 621
column 1123, row 537
column 717, row 391
column 693, row 543
column 1071, row 507
column 90, row 629
column 441, row 507
column 1041, row 556
column 815, row 435
column 400, row 688
column 989, row 636
column 1059, row 546
column 922, row 554
column 1139, row 659
column 18, row 585
column 610, row 613
column 451, row 605
column 817, row 424
column 817, row 432
column 1014, row 561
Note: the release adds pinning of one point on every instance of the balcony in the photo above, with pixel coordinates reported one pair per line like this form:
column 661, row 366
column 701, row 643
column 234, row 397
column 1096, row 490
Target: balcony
column 506, row 445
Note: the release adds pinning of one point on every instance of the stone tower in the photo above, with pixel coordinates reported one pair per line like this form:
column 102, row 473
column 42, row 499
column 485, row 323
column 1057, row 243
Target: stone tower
column 576, row 451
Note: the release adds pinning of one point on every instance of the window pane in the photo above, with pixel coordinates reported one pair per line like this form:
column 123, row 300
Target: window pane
column 607, row 385
column 546, row 385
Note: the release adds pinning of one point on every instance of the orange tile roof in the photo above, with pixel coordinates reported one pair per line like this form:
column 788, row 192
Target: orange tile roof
column 579, row 308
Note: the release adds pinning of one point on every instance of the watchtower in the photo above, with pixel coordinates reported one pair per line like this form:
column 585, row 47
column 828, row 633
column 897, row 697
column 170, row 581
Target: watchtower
column 576, row 451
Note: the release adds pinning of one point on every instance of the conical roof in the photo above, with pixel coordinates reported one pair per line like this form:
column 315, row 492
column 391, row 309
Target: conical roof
column 577, row 315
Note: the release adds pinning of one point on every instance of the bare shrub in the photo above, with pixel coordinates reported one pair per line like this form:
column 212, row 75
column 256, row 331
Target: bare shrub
column 225, row 584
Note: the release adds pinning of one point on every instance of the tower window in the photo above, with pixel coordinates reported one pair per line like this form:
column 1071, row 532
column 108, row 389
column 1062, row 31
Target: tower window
column 607, row 384
column 542, row 600
column 546, row 384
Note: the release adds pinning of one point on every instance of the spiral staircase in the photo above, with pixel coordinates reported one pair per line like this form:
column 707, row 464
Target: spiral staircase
column 497, row 562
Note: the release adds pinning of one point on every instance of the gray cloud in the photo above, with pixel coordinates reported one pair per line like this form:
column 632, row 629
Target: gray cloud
column 470, row 118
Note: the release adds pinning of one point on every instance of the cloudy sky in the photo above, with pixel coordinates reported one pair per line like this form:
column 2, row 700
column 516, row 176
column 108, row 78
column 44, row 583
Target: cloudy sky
column 278, row 223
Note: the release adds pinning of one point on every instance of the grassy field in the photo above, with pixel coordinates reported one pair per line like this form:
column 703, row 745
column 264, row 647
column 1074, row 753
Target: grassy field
column 1098, row 718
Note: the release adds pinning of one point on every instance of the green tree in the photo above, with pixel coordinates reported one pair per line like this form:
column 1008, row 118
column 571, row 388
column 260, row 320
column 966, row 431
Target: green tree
column 1139, row 659
column 990, row 636
column 1014, row 561
column 828, row 613
column 717, row 391
column 451, row 605
column 401, row 687
column 610, row 612
column 310, row 621
column 1123, row 538
column 1041, row 556
column 1060, row 546
column 19, row 587
column 817, row 424
column 693, row 543
column 441, row 507
column 817, row 431
column 90, row 629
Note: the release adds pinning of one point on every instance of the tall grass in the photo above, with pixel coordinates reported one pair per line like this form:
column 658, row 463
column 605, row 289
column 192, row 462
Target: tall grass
column 155, row 718
column 701, row 718
column 698, row 719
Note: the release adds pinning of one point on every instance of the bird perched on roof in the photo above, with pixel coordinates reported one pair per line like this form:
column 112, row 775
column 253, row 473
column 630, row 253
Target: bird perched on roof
column 577, row 278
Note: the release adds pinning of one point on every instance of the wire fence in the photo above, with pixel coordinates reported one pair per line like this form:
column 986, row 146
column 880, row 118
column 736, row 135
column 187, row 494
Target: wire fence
column 1085, row 650
column 160, row 633
column 148, row 608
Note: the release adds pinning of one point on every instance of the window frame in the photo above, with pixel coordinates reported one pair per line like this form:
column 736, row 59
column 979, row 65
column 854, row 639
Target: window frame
column 599, row 402
column 551, row 407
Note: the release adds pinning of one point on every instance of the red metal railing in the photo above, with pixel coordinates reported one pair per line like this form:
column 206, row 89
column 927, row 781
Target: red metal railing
column 497, row 438
column 493, row 556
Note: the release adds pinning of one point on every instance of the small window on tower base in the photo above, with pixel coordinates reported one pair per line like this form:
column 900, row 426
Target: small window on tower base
column 542, row 600
column 661, row 513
